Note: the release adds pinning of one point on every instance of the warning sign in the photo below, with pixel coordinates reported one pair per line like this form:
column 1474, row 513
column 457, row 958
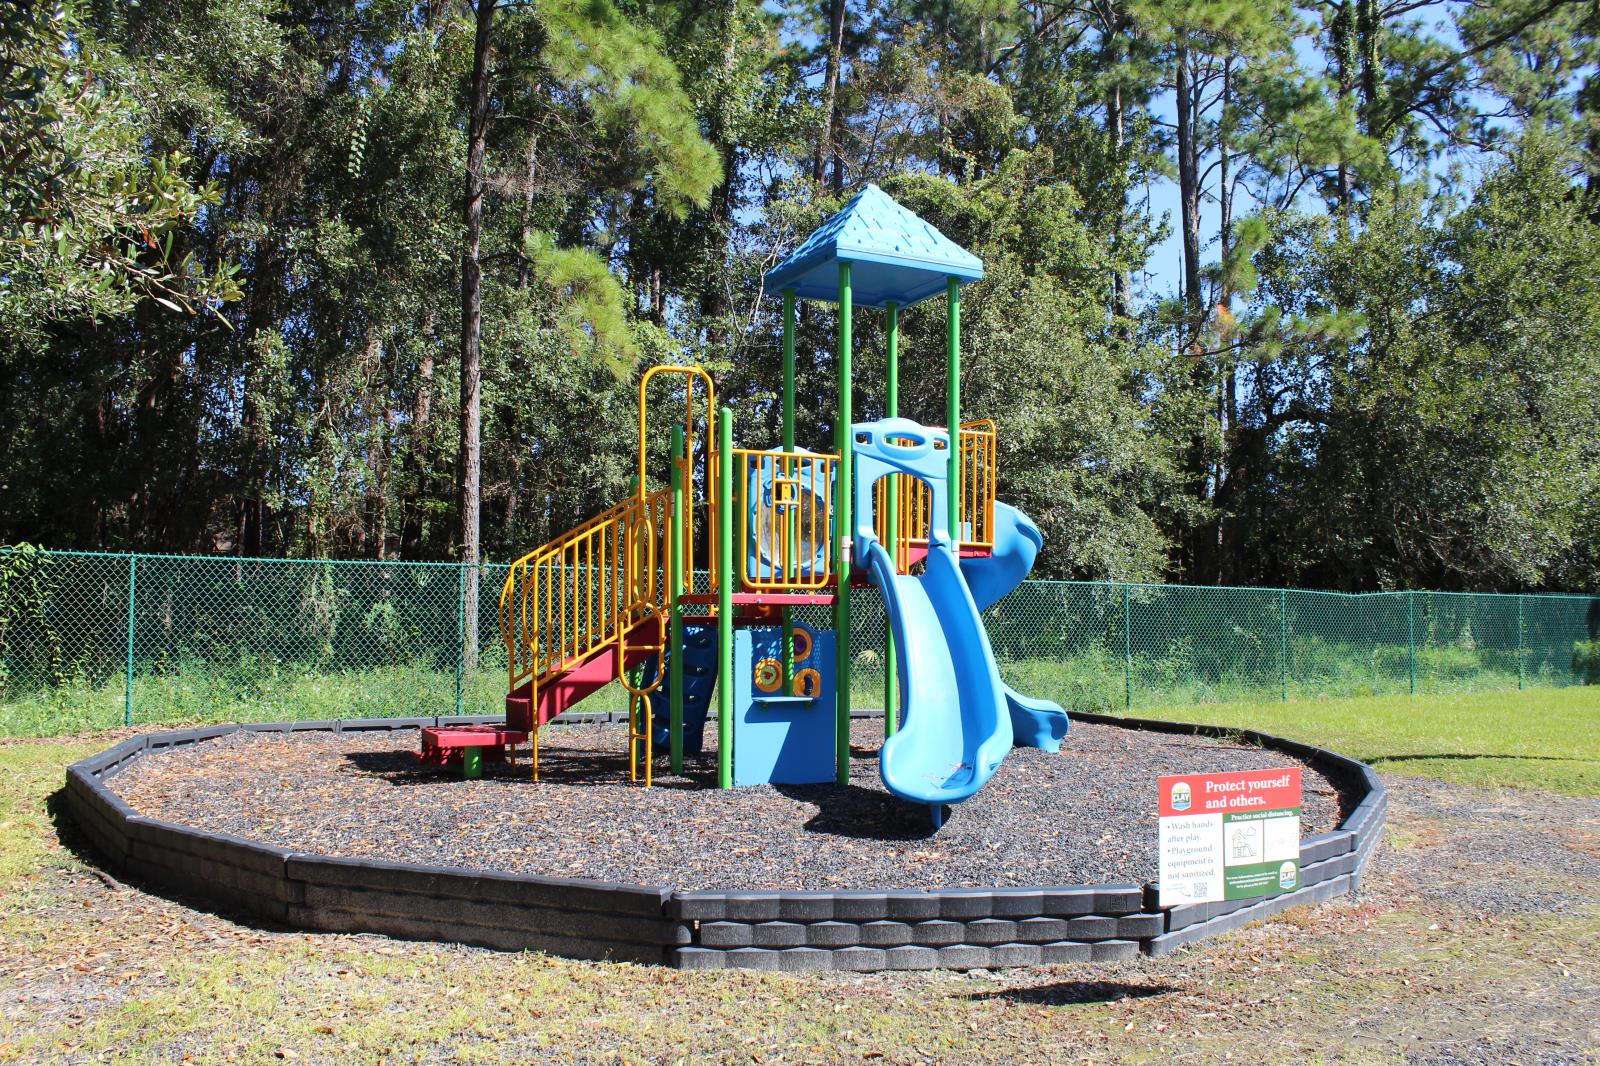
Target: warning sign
column 1229, row 836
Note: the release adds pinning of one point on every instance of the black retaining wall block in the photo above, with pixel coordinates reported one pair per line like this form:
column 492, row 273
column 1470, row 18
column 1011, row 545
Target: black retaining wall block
column 375, row 725
column 1326, row 846
column 852, row 930
column 318, row 726
column 106, row 762
column 470, row 719
column 1242, row 916
column 461, row 883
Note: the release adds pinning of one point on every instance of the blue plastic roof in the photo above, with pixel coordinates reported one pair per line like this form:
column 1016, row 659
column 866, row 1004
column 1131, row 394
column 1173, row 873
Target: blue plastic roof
column 894, row 255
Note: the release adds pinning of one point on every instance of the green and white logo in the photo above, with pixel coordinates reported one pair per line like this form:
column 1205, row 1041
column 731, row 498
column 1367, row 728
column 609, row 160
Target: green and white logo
column 1287, row 875
column 1180, row 796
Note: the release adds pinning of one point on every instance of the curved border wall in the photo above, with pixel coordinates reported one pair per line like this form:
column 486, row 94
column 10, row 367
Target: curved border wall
column 847, row 930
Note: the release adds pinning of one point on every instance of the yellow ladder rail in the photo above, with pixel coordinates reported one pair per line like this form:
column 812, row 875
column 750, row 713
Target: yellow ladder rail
column 582, row 592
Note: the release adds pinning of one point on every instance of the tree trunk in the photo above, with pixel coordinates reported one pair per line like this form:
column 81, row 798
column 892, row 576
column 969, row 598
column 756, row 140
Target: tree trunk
column 1341, row 38
column 1121, row 283
column 1189, row 194
column 714, row 302
column 468, row 471
column 1369, row 23
column 830, row 92
column 1588, row 105
column 1227, row 409
column 530, row 167
column 1113, row 45
column 420, row 461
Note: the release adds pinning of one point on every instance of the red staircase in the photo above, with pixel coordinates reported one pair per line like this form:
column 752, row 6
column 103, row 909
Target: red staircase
column 581, row 611
column 528, row 706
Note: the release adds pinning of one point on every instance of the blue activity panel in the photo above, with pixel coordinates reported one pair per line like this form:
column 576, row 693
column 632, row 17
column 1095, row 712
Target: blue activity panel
column 792, row 491
column 781, row 738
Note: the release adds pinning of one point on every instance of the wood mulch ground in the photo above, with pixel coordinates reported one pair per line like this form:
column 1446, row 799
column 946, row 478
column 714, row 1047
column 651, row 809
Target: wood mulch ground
column 1083, row 816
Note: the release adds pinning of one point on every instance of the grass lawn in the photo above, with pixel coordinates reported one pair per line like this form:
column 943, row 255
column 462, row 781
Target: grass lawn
column 1540, row 738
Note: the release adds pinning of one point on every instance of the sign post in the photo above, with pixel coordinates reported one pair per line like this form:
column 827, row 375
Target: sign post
column 1229, row 836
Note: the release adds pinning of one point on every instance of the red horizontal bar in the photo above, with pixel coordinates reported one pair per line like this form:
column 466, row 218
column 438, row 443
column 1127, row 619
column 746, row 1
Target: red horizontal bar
column 764, row 599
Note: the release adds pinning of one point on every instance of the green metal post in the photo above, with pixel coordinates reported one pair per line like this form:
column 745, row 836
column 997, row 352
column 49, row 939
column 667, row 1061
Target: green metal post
column 788, row 370
column 953, row 411
column 127, row 681
column 1411, row 637
column 791, row 562
column 1521, row 680
column 841, row 529
column 675, row 586
column 725, row 581
column 1127, row 648
column 461, row 629
column 1283, row 640
column 891, row 523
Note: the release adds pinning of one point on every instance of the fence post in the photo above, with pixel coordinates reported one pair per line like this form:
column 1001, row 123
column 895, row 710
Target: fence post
column 461, row 628
column 127, row 681
column 1283, row 640
column 1411, row 636
column 1519, row 643
column 1127, row 648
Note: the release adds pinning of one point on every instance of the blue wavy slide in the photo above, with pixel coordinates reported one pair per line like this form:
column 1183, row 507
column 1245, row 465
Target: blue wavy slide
column 1037, row 723
column 956, row 716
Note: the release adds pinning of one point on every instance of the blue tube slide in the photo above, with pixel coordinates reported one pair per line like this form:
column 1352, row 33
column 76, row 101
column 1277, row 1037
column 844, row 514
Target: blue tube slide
column 955, row 725
column 1036, row 723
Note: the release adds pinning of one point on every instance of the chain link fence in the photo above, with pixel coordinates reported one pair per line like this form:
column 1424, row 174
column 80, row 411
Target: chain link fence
column 90, row 640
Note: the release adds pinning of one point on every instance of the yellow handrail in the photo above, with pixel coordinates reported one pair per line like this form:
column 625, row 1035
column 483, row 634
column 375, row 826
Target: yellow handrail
column 694, row 375
column 585, row 590
column 793, row 523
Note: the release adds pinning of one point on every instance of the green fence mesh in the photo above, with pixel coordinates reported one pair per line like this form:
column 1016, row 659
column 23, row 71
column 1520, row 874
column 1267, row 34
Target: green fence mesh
column 92, row 640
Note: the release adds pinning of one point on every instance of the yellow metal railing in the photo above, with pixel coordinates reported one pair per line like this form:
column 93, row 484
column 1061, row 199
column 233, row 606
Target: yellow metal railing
column 785, row 526
column 694, row 379
column 913, row 498
column 585, row 590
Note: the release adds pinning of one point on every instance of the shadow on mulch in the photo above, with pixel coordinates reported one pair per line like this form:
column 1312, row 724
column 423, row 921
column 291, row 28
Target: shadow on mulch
column 1066, row 993
column 863, row 813
column 567, row 767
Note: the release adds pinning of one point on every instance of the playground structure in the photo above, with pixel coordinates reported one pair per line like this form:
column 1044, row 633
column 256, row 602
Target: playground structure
column 901, row 507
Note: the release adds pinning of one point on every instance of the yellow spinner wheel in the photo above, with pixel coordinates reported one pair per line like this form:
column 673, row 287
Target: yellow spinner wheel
column 769, row 675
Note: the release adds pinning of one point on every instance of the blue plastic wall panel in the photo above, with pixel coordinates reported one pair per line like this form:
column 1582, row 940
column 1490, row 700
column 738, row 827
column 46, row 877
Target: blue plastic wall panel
column 699, row 681
column 894, row 255
column 783, row 740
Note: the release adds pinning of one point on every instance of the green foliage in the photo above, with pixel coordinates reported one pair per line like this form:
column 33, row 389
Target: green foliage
column 1586, row 661
column 25, row 595
column 1450, row 441
column 1367, row 384
column 592, row 308
column 629, row 82
column 90, row 222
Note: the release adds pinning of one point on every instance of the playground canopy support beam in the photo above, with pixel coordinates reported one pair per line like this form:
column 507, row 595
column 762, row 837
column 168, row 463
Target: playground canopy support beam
column 791, row 563
column 725, row 581
column 891, row 517
column 841, row 528
column 953, row 409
